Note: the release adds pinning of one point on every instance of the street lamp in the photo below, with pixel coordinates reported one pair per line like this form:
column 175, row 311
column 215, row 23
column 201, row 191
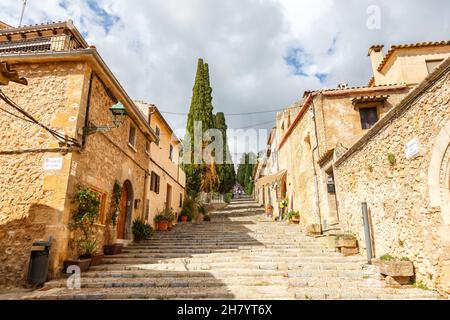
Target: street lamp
column 118, row 113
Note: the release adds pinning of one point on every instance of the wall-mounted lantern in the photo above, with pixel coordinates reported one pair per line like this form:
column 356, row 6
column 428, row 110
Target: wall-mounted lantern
column 118, row 113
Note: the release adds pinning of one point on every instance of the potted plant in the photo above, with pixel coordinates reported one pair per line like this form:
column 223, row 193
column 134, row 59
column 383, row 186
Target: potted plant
column 269, row 210
column 82, row 224
column 184, row 216
column 161, row 222
column 114, row 248
column 294, row 217
column 141, row 230
column 170, row 216
column 397, row 272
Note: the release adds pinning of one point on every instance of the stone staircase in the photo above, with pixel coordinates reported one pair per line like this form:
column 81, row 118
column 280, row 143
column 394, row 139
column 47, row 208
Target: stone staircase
column 238, row 255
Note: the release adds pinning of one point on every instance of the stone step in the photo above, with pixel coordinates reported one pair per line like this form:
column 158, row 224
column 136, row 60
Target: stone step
column 256, row 266
column 232, row 273
column 139, row 259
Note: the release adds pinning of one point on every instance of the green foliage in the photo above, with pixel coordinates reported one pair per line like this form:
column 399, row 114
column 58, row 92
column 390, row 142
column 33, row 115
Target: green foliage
column 392, row 159
column 117, row 192
column 83, row 219
column 387, row 257
column 169, row 214
column 294, row 215
column 160, row 218
column 284, row 203
column 201, row 109
column 87, row 247
column 228, row 197
column 405, row 259
column 141, row 230
column 401, row 243
column 420, row 285
column 245, row 172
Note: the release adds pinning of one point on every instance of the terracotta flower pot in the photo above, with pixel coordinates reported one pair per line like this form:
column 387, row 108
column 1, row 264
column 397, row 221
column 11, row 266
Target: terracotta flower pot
column 97, row 259
column 163, row 225
column 295, row 221
column 169, row 225
column 184, row 218
column 112, row 249
column 83, row 264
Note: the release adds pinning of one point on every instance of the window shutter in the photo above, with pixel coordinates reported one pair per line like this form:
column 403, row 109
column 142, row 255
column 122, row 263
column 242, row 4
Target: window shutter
column 158, row 180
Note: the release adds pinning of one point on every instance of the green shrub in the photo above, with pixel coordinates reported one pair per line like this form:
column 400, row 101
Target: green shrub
column 160, row 217
column 141, row 230
column 387, row 257
column 294, row 215
column 228, row 197
column 392, row 159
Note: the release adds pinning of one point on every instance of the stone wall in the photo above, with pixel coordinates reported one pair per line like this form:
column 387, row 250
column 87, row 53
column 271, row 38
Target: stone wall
column 404, row 222
column 36, row 204
column 32, row 201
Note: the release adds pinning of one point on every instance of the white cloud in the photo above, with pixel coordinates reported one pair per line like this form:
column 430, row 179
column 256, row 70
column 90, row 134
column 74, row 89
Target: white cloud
column 154, row 45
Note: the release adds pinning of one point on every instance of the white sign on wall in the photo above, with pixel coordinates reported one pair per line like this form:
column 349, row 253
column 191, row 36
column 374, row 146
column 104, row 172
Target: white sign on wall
column 412, row 149
column 53, row 163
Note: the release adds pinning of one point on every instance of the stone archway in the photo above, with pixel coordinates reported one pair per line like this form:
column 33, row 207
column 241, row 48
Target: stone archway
column 439, row 193
column 439, row 174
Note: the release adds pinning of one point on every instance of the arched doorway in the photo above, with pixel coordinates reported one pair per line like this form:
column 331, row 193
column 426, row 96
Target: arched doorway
column 125, row 211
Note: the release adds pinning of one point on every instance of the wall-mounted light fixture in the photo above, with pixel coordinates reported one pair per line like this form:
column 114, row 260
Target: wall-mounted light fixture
column 118, row 113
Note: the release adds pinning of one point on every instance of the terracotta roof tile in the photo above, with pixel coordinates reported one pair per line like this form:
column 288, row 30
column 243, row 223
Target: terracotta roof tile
column 408, row 46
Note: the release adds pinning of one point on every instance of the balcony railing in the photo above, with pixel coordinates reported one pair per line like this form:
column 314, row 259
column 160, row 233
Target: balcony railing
column 42, row 44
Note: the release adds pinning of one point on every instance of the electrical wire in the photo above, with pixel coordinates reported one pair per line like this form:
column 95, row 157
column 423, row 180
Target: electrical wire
column 226, row 114
column 31, row 119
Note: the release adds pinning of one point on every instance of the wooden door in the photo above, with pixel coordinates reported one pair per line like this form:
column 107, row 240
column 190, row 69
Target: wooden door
column 122, row 217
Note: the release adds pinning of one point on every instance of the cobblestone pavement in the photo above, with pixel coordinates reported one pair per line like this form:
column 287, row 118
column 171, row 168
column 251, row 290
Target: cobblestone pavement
column 239, row 255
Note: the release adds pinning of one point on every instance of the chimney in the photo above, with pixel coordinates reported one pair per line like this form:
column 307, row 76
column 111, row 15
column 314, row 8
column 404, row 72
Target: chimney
column 376, row 56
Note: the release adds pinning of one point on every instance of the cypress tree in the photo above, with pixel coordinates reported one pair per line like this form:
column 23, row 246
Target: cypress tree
column 201, row 109
column 227, row 174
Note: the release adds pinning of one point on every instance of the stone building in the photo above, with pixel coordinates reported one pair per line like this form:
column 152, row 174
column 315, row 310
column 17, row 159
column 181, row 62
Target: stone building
column 167, row 179
column 328, row 122
column 71, row 141
column 268, row 176
column 401, row 169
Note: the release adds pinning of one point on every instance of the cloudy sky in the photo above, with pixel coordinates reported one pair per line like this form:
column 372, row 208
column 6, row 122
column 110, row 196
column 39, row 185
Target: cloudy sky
column 262, row 53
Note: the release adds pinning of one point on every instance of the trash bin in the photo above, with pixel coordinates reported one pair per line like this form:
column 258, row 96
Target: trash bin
column 39, row 260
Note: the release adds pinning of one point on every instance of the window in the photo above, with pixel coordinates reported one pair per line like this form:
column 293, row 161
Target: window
column 369, row 116
column 132, row 136
column 147, row 147
column 433, row 64
column 101, row 219
column 155, row 182
column 181, row 200
column 158, row 134
column 171, row 152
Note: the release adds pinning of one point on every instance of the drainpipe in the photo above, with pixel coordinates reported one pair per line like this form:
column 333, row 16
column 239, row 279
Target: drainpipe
column 368, row 236
column 316, row 182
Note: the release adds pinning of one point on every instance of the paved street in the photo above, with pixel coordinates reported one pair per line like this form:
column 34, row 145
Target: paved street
column 239, row 255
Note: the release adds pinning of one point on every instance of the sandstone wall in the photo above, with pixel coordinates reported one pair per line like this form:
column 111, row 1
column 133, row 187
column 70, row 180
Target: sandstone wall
column 404, row 222
column 33, row 201
column 108, row 157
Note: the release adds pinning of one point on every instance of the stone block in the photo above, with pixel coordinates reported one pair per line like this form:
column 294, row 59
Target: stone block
column 397, row 282
column 395, row 268
column 349, row 251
